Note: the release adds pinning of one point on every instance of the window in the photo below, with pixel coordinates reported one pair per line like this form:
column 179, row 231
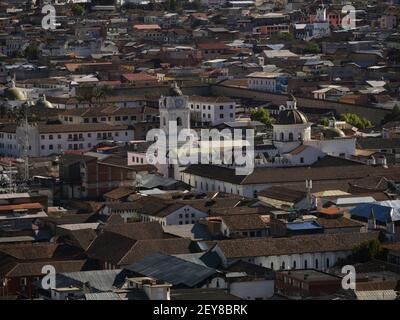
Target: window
column 290, row 136
column 59, row 136
column 221, row 107
column 43, row 137
column 316, row 263
column 50, row 147
column 327, row 262
column 180, row 216
column 42, row 147
column 51, row 137
column 178, row 121
column 272, row 266
column 89, row 135
column 117, row 118
column 282, row 136
column 23, row 281
column 221, row 116
column 301, row 160
column 305, row 264
column 283, row 265
column 294, row 264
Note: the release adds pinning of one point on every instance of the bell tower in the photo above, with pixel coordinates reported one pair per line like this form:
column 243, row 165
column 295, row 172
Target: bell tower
column 173, row 108
column 174, row 117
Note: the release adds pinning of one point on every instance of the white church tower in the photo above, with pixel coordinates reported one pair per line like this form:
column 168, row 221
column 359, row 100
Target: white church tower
column 174, row 113
column 173, row 107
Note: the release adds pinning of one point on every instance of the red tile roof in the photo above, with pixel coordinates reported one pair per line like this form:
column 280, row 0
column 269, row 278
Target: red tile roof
column 147, row 27
column 138, row 77
column 34, row 205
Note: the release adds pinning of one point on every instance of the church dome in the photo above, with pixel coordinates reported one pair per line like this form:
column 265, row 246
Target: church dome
column 14, row 93
column 331, row 133
column 43, row 103
column 292, row 116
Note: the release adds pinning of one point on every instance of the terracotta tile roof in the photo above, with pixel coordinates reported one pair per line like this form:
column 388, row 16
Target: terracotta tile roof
column 212, row 46
column 144, row 248
column 26, row 269
column 138, row 230
column 147, row 27
column 138, row 77
column 341, row 222
column 119, row 193
column 82, row 127
column 259, row 247
column 283, row 194
column 21, row 206
column 244, row 222
column 263, row 175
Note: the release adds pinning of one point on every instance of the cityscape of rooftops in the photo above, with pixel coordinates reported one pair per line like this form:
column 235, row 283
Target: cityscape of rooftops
column 202, row 150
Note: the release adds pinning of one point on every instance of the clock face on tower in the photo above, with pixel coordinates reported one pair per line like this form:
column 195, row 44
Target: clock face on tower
column 179, row 103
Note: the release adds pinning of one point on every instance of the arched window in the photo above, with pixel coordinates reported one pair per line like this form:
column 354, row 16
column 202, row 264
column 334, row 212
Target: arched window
column 291, row 136
column 294, row 264
column 316, row 263
column 178, row 121
column 283, row 265
column 305, row 264
column 282, row 136
column 327, row 262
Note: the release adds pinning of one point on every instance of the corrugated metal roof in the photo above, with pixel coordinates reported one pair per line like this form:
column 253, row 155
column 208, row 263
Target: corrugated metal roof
column 102, row 296
column 376, row 295
column 172, row 269
column 99, row 280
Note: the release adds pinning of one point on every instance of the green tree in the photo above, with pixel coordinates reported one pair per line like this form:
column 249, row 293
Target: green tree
column 78, row 10
column 31, row 52
column 283, row 36
column 312, row 47
column 324, row 121
column 393, row 115
column 356, row 121
column 261, row 115
column 367, row 250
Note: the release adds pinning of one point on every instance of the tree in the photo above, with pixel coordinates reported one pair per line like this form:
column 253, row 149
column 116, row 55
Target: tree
column 31, row 52
column 367, row 250
column 393, row 115
column 101, row 92
column 324, row 121
column 261, row 115
column 312, row 47
column 283, row 36
column 356, row 121
column 78, row 10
